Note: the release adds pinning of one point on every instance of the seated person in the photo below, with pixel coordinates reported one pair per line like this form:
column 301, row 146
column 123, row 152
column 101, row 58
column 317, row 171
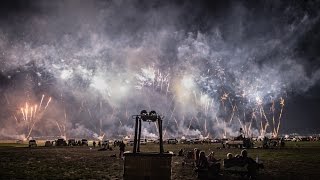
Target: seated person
column 244, row 157
column 212, row 159
column 203, row 161
column 229, row 162
column 253, row 166
column 214, row 164
column 190, row 155
column 202, row 166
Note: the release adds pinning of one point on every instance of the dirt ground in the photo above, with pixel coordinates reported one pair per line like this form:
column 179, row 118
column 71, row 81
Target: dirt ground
column 299, row 160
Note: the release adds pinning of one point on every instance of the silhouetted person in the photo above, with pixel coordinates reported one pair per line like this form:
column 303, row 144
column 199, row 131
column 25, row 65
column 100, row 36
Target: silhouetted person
column 196, row 156
column 265, row 143
column 211, row 158
column 282, row 143
column 180, row 152
column 202, row 166
column 253, row 166
column 94, row 144
column 229, row 162
column 203, row 161
column 99, row 144
column 122, row 147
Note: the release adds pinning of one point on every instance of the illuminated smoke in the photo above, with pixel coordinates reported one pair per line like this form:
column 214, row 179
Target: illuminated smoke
column 110, row 65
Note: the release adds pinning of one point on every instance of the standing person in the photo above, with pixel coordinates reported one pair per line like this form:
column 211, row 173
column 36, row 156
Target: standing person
column 121, row 148
column 196, row 156
column 94, row 144
column 180, row 152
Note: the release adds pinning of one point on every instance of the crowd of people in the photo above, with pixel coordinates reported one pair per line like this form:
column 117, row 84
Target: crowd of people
column 211, row 165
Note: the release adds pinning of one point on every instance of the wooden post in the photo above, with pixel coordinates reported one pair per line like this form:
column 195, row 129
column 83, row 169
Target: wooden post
column 160, row 134
column 139, row 136
column 135, row 135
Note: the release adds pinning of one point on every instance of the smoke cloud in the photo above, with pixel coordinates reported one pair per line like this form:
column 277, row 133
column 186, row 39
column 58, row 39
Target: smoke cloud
column 104, row 61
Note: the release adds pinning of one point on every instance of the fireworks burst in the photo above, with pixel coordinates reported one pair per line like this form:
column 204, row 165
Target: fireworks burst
column 31, row 114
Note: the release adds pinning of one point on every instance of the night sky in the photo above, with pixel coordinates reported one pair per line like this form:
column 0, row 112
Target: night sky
column 94, row 59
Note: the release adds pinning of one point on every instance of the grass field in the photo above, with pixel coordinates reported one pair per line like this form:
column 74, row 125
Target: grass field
column 299, row 160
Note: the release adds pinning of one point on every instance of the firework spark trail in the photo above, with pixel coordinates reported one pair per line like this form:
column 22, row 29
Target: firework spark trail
column 31, row 113
column 167, row 91
column 41, row 101
column 120, row 122
column 261, row 129
column 172, row 112
column 91, row 119
column 195, row 98
column 5, row 95
column 164, row 133
column 30, row 116
column 273, row 120
column 35, row 110
column 23, row 115
column 31, row 129
column 47, row 103
column 197, row 119
column 15, row 118
column 26, row 111
column 217, row 121
column 225, row 129
column 156, row 126
column 263, row 114
column 223, row 98
column 175, row 120
column 232, row 114
column 280, row 115
column 252, row 117
column 59, row 127
column 190, row 123
column 112, row 114
column 65, row 123
column 205, row 126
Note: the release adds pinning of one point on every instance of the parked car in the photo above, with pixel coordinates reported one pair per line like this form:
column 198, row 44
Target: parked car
column 48, row 144
column 84, row 142
column 150, row 140
column 172, row 141
column 72, row 142
column 195, row 141
column 61, row 142
column 105, row 143
column 33, row 143
column 184, row 141
column 216, row 141
column 143, row 142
